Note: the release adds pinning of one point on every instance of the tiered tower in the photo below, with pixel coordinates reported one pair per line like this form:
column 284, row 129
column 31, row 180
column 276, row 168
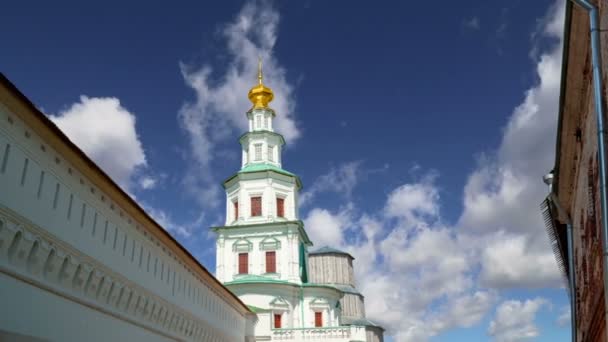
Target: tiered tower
column 262, row 249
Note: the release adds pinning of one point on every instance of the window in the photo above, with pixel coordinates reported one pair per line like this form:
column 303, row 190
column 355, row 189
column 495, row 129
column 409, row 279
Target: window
column 266, row 123
column 236, row 210
column 270, row 153
column 243, row 263
column 257, row 121
column 318, row 319
column 277, row 321
column 258, row 152
column 256, row 206
column 271, row 262
column 280, row 207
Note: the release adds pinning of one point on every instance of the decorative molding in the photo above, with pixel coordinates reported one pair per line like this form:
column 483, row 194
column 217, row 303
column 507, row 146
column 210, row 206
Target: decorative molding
column 270, row 243
column 30, row 254
column 242, row 245
column 28, row 130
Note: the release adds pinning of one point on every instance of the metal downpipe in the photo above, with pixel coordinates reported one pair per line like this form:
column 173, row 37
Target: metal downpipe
column 599, row 111
column 572, row 280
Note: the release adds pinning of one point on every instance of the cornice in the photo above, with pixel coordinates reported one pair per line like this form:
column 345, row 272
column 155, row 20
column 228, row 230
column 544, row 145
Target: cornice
column 66, row 152
column 34, row 256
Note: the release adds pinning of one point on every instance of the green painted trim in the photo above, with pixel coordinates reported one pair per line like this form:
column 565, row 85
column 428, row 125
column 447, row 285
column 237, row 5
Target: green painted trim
column 361, row 322
column 260, row 167
column 314, row 285
column 242, row 242
column 243, row 280
column 255, row 309
column 264, row 167
column 321, row 328
column 346, row 289
column 261, row 132
column 253, row 279
column 279, row 301
column 270, row 243
column 303, row 264
column 299, row 223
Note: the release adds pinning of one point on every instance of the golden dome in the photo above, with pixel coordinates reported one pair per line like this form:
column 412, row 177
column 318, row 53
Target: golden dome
column 260, row 95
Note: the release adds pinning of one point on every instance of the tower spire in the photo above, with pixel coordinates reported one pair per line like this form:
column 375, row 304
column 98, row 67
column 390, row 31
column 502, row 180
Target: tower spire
column 260, row 95
column 260, row 76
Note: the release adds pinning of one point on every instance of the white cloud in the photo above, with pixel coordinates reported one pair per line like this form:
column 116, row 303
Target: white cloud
column 422, row 277
column 106, row 132
column 325, row 228
column 514, row 320
column 501, row 196
column 507, row 264
column 415, row 203
column 464, row 311
column 221, row 95
column 147, row 182
column 563, row 319
column 407, row 263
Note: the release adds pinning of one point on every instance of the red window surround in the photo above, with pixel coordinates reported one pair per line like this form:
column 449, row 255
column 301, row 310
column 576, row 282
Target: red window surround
column 256, row 206
column 277, row 321
column 271, row 262
column 236, row 210
column 280, row 207
column 318, row 319
column 243, row 263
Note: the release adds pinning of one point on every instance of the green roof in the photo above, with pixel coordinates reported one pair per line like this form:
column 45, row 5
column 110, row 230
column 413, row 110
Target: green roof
column 255, row 309
column 265, row 167
column 346, row 288
column 329, row 250
column 257, row 279
column 359, row 321
column 252, row 278
column 257, row 167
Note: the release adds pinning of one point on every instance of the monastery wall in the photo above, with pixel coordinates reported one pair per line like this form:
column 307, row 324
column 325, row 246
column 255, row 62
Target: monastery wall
column 73, row 251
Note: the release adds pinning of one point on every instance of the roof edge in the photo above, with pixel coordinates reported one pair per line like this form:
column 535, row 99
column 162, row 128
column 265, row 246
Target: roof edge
column 49, row 125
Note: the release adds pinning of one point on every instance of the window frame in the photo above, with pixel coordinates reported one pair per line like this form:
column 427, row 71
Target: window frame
column 318, row 319
column 235, row 209
column 274, row 320
column 243, row 268
column 267, row 264
column 280, row 213
column 251, row 203
column 257, row 155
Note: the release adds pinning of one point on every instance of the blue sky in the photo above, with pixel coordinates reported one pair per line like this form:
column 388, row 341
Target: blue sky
column 420, row 134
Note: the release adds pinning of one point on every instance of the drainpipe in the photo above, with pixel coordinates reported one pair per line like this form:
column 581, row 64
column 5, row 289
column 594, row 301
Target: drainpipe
column 572, row 279
column 599, row 112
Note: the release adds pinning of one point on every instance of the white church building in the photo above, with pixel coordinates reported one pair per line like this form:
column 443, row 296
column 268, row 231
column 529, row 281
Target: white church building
column 80, row 260
column 263, row 250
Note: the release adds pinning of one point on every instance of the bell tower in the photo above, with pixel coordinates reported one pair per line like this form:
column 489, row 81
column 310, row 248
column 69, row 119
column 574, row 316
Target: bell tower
column 263, row 234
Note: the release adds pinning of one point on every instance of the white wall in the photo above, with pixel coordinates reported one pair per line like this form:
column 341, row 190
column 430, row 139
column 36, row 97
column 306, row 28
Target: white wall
column 269, row 189
column 287, row 257
column 44, row 191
